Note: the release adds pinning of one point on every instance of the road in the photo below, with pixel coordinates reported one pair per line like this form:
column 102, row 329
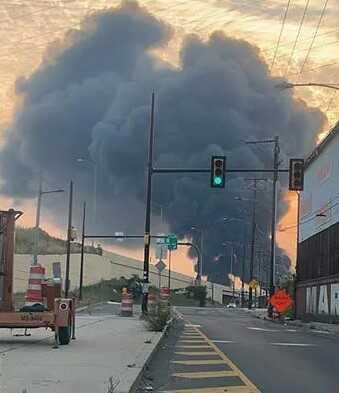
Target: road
column 218, row 350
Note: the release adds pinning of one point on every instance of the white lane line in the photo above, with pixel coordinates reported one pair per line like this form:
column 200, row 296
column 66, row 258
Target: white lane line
column 320, row 331
column 190, row 325
column 223, row 342
column 262, row 329
column 291, row 330
column 293, row 344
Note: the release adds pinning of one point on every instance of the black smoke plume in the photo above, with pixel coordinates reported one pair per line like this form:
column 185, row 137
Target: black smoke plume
column 90, row 98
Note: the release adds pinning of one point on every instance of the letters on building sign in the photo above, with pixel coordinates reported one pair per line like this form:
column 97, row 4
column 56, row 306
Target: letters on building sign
column 324, row 301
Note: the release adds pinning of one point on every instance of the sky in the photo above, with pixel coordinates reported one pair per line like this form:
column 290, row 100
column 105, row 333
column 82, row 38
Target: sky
column 28, row 27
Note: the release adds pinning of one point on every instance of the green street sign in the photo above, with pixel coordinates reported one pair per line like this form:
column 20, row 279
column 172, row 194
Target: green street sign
column 172, row 242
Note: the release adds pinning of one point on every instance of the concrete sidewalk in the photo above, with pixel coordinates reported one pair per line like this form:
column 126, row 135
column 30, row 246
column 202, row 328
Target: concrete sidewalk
column 109, row 350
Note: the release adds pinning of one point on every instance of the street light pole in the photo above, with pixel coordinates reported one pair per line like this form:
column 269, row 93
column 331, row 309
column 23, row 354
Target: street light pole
column 82, row 250
column 250, row 297
column 95, row 185
column 37, row 219
column 243, row 270
column 37, row 223
column 288, row 85
column 274, row 213
column 69, row 238
column 147, row 235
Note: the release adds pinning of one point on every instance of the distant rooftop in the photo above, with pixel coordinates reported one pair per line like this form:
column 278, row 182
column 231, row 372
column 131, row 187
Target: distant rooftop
column 322, row 145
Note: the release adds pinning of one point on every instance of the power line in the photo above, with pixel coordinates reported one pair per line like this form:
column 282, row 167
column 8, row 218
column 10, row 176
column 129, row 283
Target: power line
column 320, row 46
column 281, row 32
column 314, row 36
column 304, row 40
column 298, row 35
column 14, row 18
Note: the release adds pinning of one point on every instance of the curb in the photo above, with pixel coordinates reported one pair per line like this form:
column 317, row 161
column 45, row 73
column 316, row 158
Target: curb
column 145, row 357
column 329, row 328
column 83, row 308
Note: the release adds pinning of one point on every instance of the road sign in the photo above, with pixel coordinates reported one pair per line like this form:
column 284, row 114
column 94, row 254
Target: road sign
column 281, row 300
column 121, row 239
column 253, row 284
column 172, row 242
column 56, row 266
column 161, row 266
column 161, row 240
column 161, row 251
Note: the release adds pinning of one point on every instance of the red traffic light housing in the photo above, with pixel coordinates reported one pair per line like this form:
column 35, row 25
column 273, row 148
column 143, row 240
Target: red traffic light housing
column 218, row 169
column 297, row 167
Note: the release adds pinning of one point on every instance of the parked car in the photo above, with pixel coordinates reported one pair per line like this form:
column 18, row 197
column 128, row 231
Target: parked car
column 231, row 305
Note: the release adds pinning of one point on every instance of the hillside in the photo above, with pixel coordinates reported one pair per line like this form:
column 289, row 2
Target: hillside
column 48, row 245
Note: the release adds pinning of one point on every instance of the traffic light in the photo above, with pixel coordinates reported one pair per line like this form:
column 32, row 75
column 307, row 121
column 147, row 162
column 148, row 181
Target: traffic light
column 296, row 174
column 218, row 169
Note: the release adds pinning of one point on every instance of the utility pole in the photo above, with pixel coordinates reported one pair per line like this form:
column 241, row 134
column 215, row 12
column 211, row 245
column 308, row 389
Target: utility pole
column 250, row 296
column 276, row 171
column 82, row 251
column 169, row 268
column 253, row 236
column 233, row 280
column 69, row 237
column 37, row 223
column 274, row 213
column 147, row 234
column 243, row 270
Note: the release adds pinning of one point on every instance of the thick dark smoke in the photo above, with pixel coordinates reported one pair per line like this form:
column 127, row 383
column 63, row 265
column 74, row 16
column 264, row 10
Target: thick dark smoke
column 90, row 98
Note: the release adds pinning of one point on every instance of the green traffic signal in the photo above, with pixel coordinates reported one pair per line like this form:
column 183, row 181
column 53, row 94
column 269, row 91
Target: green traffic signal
column 217, row 180
column 218, row 169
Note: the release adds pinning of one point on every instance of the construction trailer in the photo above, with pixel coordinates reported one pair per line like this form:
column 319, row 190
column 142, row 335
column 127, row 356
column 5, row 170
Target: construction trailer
column 49, row 310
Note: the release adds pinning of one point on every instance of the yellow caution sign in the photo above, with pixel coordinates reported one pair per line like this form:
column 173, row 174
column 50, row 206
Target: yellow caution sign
column 253, row 284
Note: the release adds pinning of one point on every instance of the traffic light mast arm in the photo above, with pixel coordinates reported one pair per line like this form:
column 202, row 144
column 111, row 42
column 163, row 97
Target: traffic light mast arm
column 204, row 170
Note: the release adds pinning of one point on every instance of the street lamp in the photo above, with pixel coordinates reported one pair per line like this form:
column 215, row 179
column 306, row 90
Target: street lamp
column 288, row 85
column 232, row 274
column 201, row 237
column 95, row 181
column 37, row 220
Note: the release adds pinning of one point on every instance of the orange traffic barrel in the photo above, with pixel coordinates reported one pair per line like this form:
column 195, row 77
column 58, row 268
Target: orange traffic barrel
column 152, row 302
column 165, row 294
column 126, row 305
column 36, row 278
column 164, row 305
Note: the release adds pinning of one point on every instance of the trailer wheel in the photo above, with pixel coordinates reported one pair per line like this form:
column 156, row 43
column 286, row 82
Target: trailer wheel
column 64, row 335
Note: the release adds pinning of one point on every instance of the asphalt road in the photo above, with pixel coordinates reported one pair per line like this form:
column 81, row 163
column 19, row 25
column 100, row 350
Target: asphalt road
column 235, row 352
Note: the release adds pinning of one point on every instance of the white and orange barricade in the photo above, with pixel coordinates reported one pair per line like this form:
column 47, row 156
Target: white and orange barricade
column 36, row 279
column 152, row 303
column 164, row 304
column 126, row 304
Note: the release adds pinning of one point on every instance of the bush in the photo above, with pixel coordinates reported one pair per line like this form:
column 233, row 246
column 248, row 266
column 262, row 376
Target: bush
column 156, row 322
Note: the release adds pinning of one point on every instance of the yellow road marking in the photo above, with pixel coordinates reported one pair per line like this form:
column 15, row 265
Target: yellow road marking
column 243, row 377
column 193, row 346
column 206, row 374
column 191, row 331
column 198, row 362
column 197, row 353
column 225, row 389
column 192, row 341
